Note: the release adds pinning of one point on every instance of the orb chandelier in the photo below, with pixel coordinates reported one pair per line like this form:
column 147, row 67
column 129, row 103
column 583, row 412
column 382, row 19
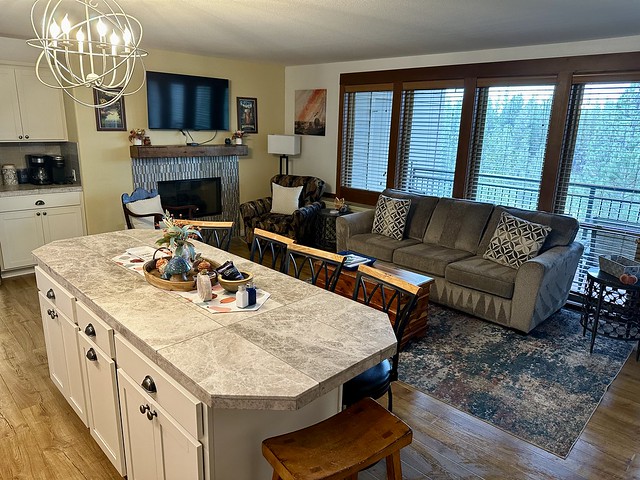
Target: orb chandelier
column 90, row 43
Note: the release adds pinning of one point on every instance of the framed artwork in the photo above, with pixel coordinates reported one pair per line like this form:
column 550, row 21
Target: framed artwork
column 311, row 112
column 111, row 118
column 247, row 114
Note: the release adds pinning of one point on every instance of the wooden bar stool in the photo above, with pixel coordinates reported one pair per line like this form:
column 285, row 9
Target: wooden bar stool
column 340, row 446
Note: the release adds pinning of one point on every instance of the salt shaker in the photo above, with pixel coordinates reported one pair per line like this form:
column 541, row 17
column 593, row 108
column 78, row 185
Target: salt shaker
column 242, row 297
column 9, row 174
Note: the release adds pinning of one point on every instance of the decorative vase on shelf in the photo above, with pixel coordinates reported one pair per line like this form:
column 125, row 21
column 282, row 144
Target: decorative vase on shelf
column 238, row 141
column 137, row 141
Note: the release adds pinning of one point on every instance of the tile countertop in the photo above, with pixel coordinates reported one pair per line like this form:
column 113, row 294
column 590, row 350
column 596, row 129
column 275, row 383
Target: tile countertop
column 302, row 343
column 29, row 189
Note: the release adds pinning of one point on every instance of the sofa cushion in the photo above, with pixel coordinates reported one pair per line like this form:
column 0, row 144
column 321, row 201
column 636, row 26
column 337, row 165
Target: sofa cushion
column 563, row 228
column 484, row 275
column 428, row 258
column 420, row 212
column 391, row 216
column 376, row 245
column 515, row 241
column 458, row 224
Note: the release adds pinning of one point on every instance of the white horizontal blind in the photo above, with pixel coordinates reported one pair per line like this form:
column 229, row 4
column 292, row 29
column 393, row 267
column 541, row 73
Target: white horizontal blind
column 429, row 140
column 509, row 143
column 365, row 139
column 600, row 179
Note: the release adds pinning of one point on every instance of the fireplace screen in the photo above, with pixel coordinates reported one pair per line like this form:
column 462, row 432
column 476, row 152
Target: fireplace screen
column 204, row 193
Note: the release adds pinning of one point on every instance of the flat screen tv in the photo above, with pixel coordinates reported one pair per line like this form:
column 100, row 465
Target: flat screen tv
column 186, row 102
column 204, row 193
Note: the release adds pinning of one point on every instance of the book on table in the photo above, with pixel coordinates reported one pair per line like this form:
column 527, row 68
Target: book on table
column 354, row 259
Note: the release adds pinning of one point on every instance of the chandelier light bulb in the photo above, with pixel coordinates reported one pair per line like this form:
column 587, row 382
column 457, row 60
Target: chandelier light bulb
column 77, row 58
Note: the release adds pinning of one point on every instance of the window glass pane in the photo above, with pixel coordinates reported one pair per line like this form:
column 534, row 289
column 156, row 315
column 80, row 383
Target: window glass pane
column 365, row 139
column 601, row 181
column 509, row 143
column 429, row 144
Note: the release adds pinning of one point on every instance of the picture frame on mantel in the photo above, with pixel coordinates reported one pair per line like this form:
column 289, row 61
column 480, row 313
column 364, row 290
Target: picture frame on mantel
column 111, row 118
column 247, row 110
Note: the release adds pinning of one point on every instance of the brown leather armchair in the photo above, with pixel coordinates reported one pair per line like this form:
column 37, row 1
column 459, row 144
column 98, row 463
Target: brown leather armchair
column 299, row 225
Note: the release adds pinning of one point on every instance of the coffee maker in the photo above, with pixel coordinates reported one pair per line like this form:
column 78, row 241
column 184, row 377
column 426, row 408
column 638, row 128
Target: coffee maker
column 39, row 170
column 57, row 169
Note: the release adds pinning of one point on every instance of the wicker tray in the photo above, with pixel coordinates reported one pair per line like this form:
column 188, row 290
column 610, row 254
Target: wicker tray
column 152, row 275
column 617, row 265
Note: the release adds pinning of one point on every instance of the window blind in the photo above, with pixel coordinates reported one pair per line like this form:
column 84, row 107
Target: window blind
column 429, row 140
column 365, row 139
column 508, row 144
column 600, row 176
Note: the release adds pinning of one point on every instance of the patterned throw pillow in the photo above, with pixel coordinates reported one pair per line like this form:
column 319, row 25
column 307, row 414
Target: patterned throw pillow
column 515, row 241
column 391, row 216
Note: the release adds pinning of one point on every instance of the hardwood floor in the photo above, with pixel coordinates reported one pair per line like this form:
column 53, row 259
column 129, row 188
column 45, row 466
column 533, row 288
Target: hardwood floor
column 42, row 438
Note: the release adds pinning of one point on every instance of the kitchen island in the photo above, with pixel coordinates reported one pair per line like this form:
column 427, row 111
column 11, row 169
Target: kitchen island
column 222, row 381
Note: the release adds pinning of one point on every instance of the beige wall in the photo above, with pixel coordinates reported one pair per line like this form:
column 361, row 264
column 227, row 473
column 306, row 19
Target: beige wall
column 319, row 155
column 105, row 165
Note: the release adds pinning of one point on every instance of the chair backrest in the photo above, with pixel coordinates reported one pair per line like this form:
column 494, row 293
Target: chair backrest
column 319, row 264
column 276, row 245
column 312, row 187
column 394, row 296
column 142, row 209
column 217, row 234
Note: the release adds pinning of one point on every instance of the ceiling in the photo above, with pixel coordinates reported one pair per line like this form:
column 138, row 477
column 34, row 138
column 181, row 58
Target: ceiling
column 297, row 32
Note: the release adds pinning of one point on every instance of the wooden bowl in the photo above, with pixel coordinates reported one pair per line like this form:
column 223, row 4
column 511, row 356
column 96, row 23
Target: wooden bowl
column 152, row 275
column 232, row 285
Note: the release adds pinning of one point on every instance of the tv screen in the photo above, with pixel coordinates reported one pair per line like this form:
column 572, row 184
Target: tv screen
column 204, row 193
column 186, row 102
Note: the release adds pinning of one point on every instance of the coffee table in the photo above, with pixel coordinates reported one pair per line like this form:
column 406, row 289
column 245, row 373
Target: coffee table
column 417, row 326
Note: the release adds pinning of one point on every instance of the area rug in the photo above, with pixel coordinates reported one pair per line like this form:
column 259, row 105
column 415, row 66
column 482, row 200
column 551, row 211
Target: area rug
column 542, row 387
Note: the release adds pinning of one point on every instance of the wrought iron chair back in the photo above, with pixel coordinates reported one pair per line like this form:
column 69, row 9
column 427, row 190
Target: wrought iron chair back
column 319, row 263
column 265, row 242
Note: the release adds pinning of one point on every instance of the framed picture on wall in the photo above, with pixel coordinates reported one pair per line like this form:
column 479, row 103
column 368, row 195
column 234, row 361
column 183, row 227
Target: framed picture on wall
column 247, row 114
column 111, row 118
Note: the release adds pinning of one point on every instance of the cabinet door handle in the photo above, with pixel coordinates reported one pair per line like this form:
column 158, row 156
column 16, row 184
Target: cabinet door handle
column 149, row 385
column 151, row 414
column 91, row 355
column 52, row 313
column 90, row 331
column 40, row 202
column 44, row 213
column 144, row 408
column 51, row 294
column 37, row 214
column 20, row 137
column 26, row 136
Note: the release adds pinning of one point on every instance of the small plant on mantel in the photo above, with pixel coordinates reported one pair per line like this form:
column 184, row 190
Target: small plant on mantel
column 136, row 136
column 238, row 134
column 177, row 238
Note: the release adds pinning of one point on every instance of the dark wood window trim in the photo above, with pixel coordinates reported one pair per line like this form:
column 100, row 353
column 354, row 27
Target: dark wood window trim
column 564, row 71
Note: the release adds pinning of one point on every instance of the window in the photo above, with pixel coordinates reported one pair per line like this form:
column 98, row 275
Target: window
column 600, row 182
column 509, row 140
column 429, row 140
column 365, row 139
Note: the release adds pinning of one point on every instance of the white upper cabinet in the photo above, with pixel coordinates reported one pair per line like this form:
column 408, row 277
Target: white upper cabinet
column 31, row 112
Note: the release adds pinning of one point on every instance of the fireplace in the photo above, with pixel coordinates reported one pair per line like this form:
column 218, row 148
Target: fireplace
column 205, row 194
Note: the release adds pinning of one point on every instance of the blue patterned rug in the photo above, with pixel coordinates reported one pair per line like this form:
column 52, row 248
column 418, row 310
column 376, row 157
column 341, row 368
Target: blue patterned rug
column 542, row 387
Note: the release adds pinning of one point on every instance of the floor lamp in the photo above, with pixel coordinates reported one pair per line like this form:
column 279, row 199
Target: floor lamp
column 284, row 145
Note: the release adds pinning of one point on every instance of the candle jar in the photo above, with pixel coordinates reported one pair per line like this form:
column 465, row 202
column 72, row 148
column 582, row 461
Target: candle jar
column 9, row 175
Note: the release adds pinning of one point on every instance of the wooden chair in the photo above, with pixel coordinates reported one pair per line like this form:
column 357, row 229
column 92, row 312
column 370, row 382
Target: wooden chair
column 320, row 263
column 265, row 241
column 217, row 234
column 144, row 209
column 341, row 446
column 392, row 295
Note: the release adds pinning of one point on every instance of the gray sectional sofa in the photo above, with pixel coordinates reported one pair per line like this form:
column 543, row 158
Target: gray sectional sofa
column 446, row 238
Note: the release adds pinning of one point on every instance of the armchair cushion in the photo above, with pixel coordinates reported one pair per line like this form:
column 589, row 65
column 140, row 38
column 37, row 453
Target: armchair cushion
column 285, row 200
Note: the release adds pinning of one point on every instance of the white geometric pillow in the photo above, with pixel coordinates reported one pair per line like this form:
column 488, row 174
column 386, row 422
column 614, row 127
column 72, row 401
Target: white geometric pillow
column 391, row 216
column 515, row 241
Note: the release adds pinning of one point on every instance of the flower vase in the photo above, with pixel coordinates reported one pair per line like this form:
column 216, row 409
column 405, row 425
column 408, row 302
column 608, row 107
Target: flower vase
column 238, row 141
column 137, row 141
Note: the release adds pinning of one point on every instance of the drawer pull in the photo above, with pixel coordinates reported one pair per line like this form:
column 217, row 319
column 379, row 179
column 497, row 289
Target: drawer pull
column 52, row 313
column 143, row 409
column 90, row 331
column 40, row 202
column 91, row 355
column 149, row 385
column 51, row 294
column 151, row 414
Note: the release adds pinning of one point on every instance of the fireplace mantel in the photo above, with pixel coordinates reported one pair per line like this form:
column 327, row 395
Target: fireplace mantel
column 175, row 151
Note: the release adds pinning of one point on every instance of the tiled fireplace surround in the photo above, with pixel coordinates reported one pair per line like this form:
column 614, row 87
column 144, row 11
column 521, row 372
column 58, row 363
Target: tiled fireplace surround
column 148, row 170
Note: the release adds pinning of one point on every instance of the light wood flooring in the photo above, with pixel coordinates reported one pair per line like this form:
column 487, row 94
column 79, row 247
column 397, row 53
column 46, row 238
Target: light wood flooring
column 42, row 438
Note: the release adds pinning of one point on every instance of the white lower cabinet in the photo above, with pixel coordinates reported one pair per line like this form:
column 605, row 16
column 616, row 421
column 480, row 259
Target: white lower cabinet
column 156, row 446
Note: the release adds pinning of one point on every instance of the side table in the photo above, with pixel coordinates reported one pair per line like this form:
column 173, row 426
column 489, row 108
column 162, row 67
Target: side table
column 326, row 229
column 611, row 308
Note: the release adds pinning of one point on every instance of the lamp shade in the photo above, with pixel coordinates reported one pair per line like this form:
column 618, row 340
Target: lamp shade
column 283, row 144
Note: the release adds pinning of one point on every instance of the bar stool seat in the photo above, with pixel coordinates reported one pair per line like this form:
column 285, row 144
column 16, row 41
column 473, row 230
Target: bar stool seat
column 340, row 446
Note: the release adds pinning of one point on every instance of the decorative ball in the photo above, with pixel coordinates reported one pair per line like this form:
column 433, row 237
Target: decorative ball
column 628, row 279
column 161, row 264
column 204, row 265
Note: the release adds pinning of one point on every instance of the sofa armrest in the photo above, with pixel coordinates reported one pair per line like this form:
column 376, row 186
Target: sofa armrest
column 353, row 224
column 542, row 285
